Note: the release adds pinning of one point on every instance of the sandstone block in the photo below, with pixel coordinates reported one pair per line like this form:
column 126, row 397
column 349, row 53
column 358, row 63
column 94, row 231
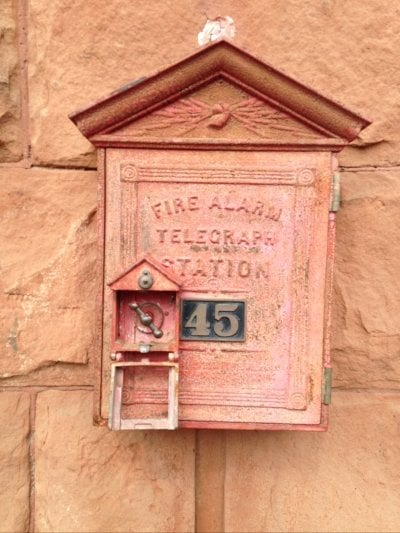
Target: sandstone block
column 10, row 135
column 90, row 479
column 141, row 38
column 345, row 480
column 14, row 461
column 86, row 51
column 47, row 235
column 366, row 319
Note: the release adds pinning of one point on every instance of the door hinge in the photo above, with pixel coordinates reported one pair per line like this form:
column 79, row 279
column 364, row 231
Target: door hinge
column 327, row 387
column 335, row 198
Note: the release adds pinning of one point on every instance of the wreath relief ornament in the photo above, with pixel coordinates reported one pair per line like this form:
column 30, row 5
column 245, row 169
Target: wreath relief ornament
column 251, row 113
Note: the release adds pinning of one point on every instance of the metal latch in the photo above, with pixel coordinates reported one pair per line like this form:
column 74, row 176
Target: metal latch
column 335, row 198
column 327, row 388
column 116, row 422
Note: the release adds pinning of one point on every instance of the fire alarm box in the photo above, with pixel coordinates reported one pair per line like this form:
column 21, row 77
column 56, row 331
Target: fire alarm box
column 217, row 198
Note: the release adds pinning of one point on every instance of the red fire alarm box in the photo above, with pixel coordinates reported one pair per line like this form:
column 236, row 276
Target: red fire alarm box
column 217, row 200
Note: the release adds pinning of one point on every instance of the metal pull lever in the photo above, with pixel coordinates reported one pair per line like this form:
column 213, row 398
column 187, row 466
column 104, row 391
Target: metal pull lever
column 146, row 320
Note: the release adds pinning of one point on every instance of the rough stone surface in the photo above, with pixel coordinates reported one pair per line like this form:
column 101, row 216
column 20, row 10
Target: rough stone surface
column 366, row 318
column 14, row 461
column 80, row 53
column 47, row 236
column 345, row 480
column 90, row 479
column 10, row 143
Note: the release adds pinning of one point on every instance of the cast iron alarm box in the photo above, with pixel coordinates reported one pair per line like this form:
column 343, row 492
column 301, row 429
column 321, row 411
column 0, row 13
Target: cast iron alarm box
column 217, row 199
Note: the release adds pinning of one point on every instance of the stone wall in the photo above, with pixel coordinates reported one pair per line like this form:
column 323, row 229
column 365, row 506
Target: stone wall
column 58, row 473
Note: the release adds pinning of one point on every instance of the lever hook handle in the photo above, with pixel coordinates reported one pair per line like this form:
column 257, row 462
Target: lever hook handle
column 146, row 320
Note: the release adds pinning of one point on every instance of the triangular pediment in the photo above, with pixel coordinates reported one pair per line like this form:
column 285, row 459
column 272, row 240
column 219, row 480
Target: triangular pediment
column 219, row 94
column 162, row 279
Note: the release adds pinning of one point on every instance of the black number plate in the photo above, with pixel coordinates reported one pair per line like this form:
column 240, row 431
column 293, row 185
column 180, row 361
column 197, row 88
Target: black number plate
column 213, row 320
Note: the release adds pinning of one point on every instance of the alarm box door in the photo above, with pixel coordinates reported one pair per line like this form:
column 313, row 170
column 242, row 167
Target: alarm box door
column 247, row 235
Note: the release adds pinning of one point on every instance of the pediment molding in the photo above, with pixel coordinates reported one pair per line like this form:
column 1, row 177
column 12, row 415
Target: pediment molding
column 322, row 120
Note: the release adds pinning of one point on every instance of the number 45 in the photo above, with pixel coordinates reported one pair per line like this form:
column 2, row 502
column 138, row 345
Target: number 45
column 201, row 327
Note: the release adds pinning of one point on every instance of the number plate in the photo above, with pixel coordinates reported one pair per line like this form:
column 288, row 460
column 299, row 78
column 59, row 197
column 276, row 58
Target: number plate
column 213, row 320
